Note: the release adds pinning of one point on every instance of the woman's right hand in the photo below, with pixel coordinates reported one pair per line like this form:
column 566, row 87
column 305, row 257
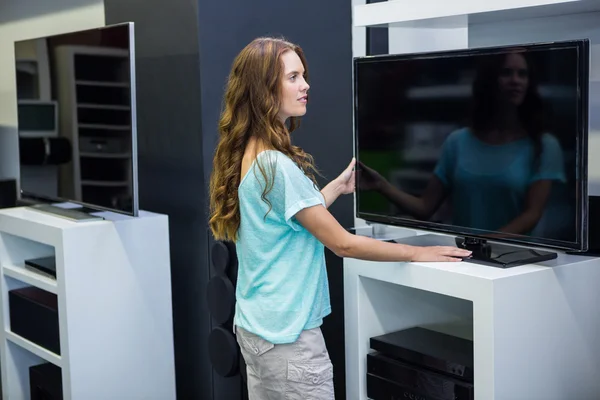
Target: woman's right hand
column 440, row 254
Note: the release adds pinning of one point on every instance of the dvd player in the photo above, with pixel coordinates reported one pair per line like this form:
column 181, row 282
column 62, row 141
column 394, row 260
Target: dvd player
column 429, row 349
column 43, row 265
column 390, row 379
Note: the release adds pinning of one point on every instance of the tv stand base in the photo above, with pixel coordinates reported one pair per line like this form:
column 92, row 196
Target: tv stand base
column 73, row 214
column 491, row 254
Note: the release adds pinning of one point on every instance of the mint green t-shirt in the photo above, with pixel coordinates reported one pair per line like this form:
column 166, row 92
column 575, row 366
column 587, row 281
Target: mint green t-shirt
column 282, row 285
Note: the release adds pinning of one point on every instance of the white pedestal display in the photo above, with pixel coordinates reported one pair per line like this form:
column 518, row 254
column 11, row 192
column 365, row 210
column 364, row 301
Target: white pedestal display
column 113, row 287
column 535, row 328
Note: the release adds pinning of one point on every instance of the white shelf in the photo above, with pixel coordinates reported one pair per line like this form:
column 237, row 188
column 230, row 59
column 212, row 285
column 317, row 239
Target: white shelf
column 34, row 225
column 402, row 11
column 105, row 127
column 104, row 155
column 103, row 84
column 104, row 183
column 34, row 348
column 99, row 51
column 34, row 279
column 122, row 260
column 104, row 107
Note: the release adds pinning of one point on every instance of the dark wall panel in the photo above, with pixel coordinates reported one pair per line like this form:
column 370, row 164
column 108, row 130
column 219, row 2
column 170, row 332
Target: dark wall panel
column 377, row 37
column 170, row 165
column 185, row 51
column 323, row 30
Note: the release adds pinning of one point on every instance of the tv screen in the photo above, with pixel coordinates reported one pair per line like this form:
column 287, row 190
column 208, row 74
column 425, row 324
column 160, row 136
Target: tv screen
column 486, row 143
column 77, row 120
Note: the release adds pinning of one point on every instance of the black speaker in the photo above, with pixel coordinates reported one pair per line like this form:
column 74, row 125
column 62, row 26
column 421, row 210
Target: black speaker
column 220, row 290
column 219, row 257
column 220, row 295
column 45, row 382
column 224, row 352
column 8, row 193
column 34, row 316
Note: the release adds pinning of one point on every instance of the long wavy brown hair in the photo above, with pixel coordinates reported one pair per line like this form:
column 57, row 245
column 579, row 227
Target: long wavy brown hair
column 250, row 110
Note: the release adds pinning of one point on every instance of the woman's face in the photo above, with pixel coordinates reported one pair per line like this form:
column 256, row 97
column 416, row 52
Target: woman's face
column 294, row 88
column 514, row 79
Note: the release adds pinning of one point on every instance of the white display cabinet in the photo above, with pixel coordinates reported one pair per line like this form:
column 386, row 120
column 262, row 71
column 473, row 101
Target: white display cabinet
column 113, row 291
column 535, row 328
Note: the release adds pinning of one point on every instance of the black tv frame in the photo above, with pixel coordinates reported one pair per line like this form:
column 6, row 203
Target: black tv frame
column 476, row 237
column 82, row 212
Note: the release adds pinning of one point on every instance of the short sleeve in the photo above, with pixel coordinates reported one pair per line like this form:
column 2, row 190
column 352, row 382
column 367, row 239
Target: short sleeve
column 445, row 166
column 292, row 190
column 551, row 165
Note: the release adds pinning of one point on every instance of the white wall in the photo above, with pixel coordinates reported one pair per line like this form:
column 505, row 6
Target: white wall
column 25, row 19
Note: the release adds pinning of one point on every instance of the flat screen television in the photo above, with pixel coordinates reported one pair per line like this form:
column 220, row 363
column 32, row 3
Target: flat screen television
column 488, row 144
column 77, row 119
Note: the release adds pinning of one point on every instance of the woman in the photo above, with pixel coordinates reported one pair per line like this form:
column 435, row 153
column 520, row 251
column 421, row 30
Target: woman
column 263, row 196
column 499, row 171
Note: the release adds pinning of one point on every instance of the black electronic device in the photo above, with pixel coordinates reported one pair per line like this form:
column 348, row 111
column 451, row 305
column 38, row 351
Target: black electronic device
column 45, row 265
column 8, row 193
column 79, row 144
column 220, row 296
column 422, row 363
column 34, row 316
column 487, row 144
column 389, row 377
column 223, row 352
column 436, row 351
column 45, row 382
column 379, row 388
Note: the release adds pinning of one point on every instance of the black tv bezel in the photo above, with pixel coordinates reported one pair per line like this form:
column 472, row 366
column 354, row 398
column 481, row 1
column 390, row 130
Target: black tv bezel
column 581, row 243
column 28, row 196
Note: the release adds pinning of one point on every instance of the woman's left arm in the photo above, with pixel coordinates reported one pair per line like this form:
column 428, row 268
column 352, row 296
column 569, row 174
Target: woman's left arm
column 343, row 184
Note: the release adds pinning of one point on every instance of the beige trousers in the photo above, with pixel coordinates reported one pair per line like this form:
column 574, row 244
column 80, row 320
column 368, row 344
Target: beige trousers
column 297, row 371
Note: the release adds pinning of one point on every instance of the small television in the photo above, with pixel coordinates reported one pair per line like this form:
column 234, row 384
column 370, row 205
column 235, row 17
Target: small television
column 77, row 119
column 487, row 144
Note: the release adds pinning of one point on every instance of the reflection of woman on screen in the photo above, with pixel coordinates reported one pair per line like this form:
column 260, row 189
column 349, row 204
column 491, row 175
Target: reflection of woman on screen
column 499, row 171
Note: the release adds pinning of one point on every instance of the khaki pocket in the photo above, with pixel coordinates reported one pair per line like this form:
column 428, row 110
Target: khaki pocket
column 309, row 380
column 254, row 344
